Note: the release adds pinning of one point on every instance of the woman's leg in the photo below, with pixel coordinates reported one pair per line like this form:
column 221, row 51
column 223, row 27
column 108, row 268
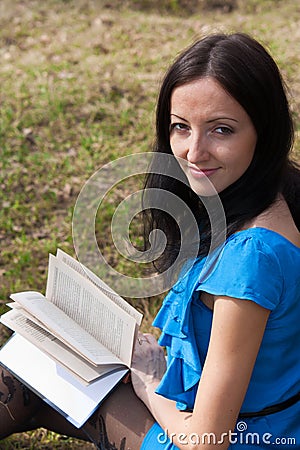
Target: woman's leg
column 17, row 404
column 120, row 423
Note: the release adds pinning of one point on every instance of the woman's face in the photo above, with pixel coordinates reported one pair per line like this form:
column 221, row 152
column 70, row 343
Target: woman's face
column 211, row 134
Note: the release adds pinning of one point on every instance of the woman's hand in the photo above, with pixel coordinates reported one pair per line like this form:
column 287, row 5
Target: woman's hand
column 148, row 365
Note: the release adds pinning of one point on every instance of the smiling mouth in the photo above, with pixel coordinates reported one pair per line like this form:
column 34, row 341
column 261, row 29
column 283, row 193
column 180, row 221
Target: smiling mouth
column 201, row 173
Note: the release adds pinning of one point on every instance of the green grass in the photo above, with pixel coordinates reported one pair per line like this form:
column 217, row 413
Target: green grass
column 79, row 80
column 43, row 440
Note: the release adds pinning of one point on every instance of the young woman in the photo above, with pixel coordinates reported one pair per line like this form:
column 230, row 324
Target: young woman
column 232, row 378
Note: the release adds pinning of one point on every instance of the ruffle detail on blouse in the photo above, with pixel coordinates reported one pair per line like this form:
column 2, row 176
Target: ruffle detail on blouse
column 178, row 336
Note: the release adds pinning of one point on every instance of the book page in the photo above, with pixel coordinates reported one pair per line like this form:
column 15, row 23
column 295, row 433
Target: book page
column 53, row 383
column 17, row 307
column 83, row 302
column 80, row 268
column 38, row 336
column 63, row 327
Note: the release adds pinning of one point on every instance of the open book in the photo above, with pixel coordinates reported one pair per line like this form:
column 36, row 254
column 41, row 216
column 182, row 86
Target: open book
column 73, row 345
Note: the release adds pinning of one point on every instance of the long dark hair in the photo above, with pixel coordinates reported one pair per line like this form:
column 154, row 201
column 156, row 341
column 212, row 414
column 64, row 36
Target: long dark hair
column 249, row 74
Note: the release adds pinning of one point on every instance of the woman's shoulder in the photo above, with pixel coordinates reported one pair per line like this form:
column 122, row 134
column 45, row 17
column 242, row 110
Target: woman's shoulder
column 251, row 246
column 269, row 247
column 261, row 238
column 253, row 264
column 275, row 224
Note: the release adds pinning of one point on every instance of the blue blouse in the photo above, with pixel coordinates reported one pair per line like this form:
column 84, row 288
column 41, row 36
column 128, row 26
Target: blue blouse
column 256, row 264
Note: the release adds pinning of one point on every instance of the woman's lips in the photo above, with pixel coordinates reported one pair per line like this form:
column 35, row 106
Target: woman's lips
column 201, row 173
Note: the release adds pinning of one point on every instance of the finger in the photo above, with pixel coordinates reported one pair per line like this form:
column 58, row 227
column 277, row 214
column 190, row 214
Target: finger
column 150, row 338
column 141, row 338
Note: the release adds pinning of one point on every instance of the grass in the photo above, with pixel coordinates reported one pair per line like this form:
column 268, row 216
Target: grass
column 79, row 81
column 43, row 440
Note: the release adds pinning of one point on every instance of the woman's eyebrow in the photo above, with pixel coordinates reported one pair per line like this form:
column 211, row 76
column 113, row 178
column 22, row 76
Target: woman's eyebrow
column 215, row 119
column 221, row 118
column 178, row 117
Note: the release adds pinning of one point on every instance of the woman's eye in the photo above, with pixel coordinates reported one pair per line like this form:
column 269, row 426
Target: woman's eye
column 223, row 130
column 179, row 127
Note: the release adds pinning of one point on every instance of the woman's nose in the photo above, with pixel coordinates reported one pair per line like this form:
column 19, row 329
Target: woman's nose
column 197, row 149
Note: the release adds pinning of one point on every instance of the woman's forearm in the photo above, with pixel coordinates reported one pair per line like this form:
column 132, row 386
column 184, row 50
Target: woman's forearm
column 179, row 426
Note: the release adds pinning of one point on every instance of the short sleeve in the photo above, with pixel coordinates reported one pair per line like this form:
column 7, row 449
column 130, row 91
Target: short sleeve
column 246, row 268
